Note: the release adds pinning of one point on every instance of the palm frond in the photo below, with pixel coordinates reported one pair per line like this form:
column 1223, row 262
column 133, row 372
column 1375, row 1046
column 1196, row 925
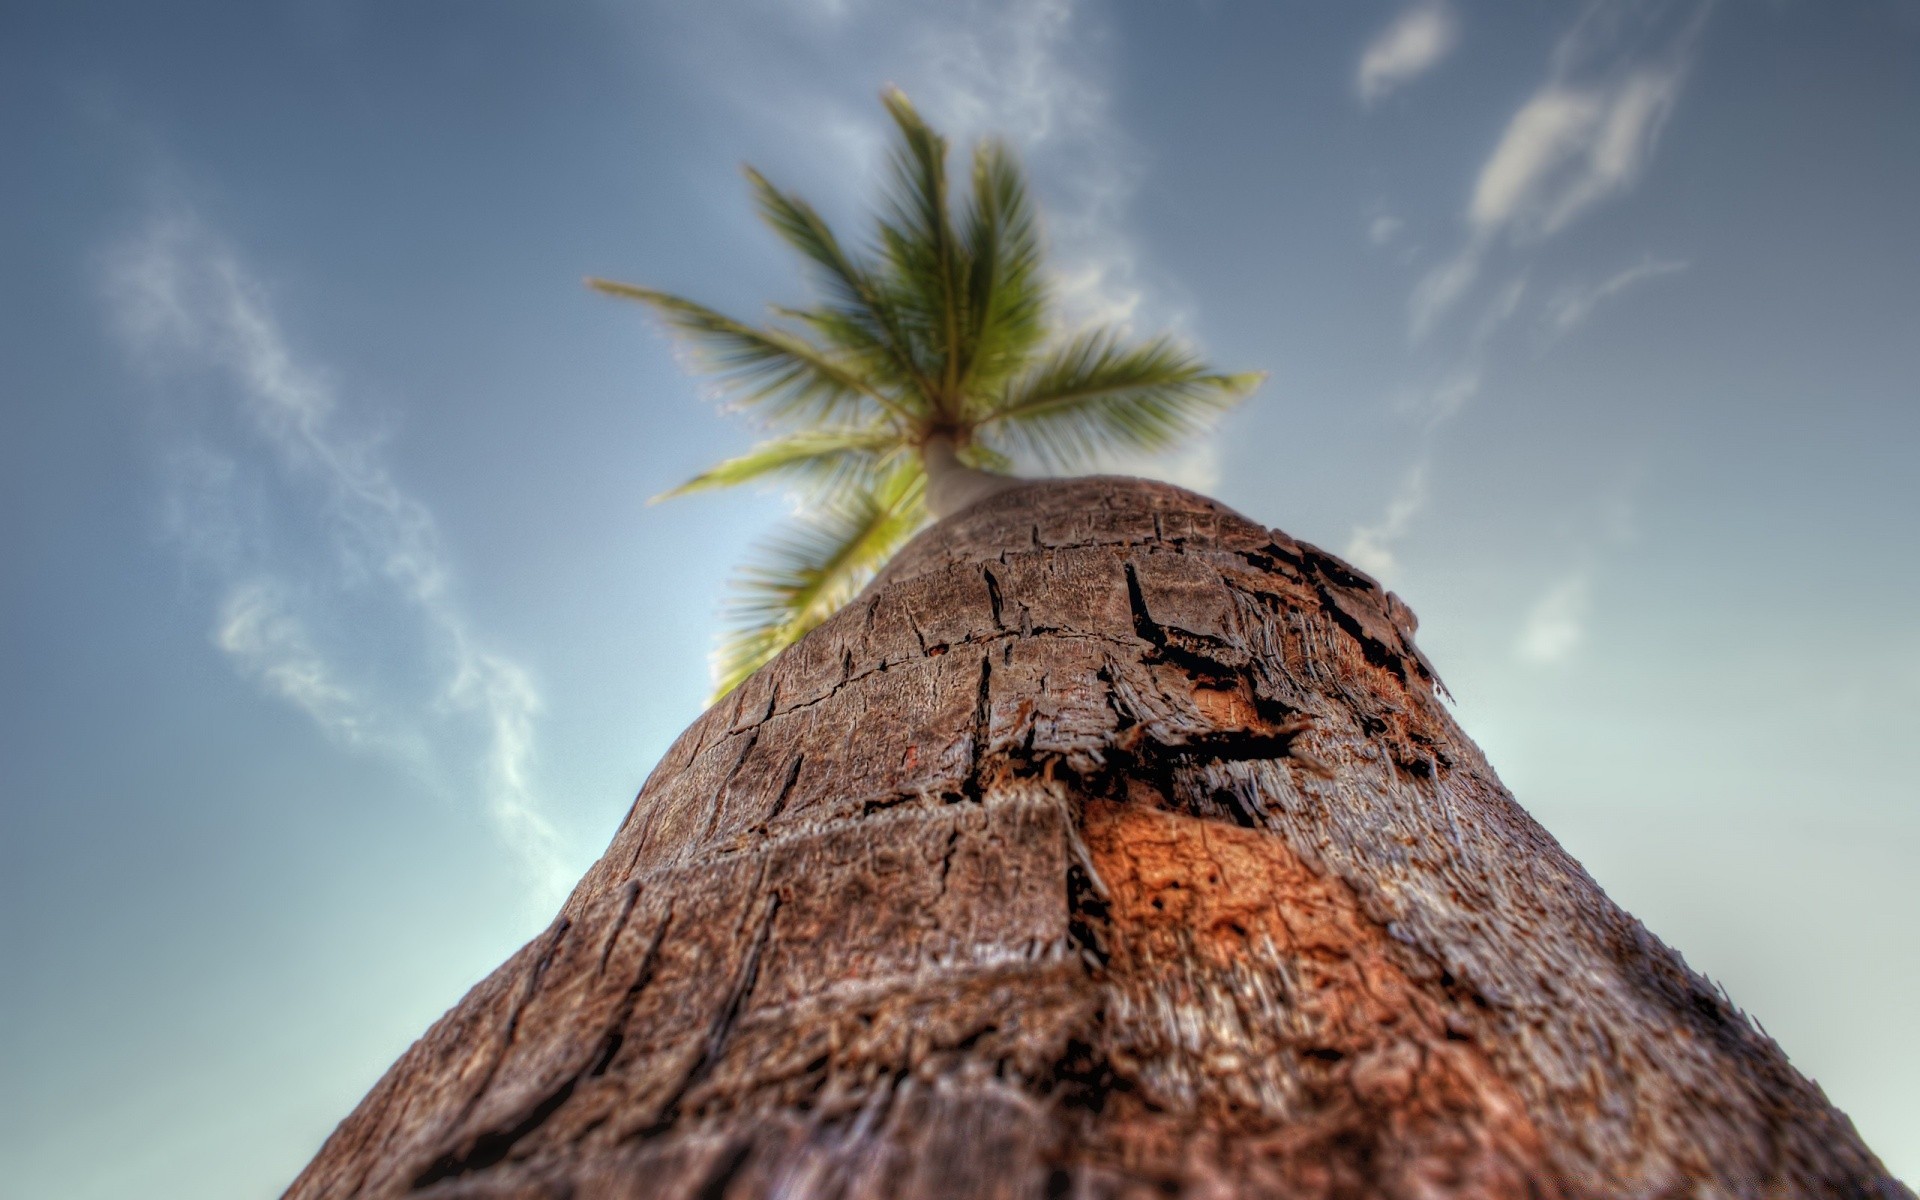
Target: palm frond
column 938, row 333
column 866, row 353
column 828, row 461
column 921, row 249
column 770, row 368
column 1093, row 395
column 1006, row 298
column 815, row 569
column 864, row 307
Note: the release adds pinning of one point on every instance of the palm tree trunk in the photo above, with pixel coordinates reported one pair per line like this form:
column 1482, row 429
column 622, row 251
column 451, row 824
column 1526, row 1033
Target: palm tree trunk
column 1108, row 845
column 951, row 484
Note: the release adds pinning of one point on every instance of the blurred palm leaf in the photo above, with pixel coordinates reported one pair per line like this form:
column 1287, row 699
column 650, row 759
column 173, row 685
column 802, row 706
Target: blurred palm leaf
column 826, row 461
column 806, row 575
column 1094, row 395
column 940, row 329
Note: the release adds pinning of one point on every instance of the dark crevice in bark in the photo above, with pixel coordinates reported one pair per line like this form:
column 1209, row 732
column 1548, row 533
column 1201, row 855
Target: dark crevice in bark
column 720, row 793
column 1246, row 814
column 525, row 997
column 1233, row 745
column 974, row 785
column 779, row 804
column 726, row 1167
column 1085, row 1079
column 1181, row 649
column 1272, row 559
column 1143, row 622
column 1332, row 568
column 913, row 623
column 630, row 895
column 616, row 1034
column 1379, row 655
column 889, row 800
column 492, row 1148
column 1088, row 916
column 1123, row 716
column 722, row 1027
column 994, row 602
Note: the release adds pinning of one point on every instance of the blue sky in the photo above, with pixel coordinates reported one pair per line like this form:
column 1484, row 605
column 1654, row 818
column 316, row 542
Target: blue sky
column 339, row 633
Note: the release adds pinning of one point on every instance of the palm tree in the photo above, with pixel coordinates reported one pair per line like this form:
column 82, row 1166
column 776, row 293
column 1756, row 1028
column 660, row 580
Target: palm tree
column 928, row 368
column 1108, row 845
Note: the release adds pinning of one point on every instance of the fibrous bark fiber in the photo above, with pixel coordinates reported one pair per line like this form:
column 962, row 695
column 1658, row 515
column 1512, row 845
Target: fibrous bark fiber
column 1109, row 845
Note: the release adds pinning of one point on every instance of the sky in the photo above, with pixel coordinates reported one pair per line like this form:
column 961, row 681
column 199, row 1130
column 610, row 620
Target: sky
column 339, row 634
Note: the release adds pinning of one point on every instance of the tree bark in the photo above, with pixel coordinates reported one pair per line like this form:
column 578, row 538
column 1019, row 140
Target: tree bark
column 1108, row 845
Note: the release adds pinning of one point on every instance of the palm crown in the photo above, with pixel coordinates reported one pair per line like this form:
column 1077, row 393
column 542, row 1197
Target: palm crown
column 932, row 352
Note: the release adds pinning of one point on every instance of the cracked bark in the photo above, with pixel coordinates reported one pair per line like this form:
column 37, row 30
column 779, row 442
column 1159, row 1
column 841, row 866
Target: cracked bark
column 1108, row 845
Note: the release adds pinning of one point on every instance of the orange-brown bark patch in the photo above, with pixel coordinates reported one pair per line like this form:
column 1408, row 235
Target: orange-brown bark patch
column 1296, row 1030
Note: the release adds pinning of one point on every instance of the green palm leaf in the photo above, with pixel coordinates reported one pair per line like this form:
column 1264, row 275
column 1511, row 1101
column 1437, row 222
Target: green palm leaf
column 828, row 461
column 931, row 348
column 787, row 375
column 921, row 249
column 813, row 570
column 1006, row 299
column 863, row 310
column 1094, row 395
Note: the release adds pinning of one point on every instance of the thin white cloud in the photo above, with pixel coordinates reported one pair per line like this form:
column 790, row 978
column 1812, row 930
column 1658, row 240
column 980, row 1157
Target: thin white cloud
column 1415, row 42
column 1557, row 623
column 1453, row 393
column 1584, row 137
column 1384, row 228
column 1371, row 548
column 1500, row 310
column 1568, row 149
column 1571, row 305
column 183, row 299
column 1441, row 288
column 271, row 644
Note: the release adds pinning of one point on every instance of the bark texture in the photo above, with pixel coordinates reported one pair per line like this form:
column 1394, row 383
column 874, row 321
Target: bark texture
column 1109, row 845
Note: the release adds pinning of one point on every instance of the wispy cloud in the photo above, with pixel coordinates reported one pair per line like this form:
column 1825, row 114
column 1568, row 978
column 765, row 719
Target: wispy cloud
column 1583, row 137
column 298, row 521
column 1557, row 622
column 1500, row 309
column 1572, row 304
column 272, row 645
column 1569, row 148
column 1371, row 548
column 1415, row 42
